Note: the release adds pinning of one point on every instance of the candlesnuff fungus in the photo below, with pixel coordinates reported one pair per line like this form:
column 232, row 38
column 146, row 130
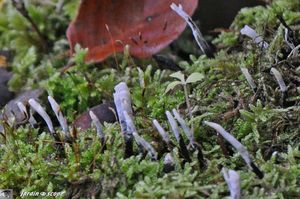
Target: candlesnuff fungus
column 11, row 109
column 249, row 79
column 287, row 39
column 23, row 109
column 162, row 132
column 123, row 104
column 175, row 129
column 248, row 31
column 29, row 116
column 205, row 48
column 174, row 126
column 165, row 136
column 233, row 181
column 279, row 79
column 139, row 140
column 59, row 115
column 237, row 145
column 184, row 126
column 169, row 164
column 40, row 110
column 98, row 126
column 295, row 52
column 105, row 27
column 190, row 135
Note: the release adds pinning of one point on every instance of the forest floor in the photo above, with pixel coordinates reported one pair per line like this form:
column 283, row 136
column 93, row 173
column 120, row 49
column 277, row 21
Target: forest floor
column 258, row 106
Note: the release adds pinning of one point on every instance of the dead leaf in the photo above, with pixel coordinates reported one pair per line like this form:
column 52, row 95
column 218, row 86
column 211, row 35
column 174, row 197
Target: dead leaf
column 147, row 26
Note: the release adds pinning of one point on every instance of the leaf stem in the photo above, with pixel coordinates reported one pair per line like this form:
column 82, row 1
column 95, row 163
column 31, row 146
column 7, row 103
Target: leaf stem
column 188, row 104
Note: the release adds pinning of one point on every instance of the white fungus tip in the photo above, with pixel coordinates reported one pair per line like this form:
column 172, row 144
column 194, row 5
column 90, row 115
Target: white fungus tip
column 232, row 140
column 279, row 79
column 40, row 110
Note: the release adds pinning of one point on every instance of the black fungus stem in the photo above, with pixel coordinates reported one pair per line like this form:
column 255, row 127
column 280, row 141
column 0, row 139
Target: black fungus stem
column 128, row 147
column 257, row 171
column 200, row 156
column 166, row 63
column 283, row 99
column 183, row 149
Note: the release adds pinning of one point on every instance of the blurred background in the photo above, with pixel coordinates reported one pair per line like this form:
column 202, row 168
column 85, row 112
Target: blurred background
column 212, row 14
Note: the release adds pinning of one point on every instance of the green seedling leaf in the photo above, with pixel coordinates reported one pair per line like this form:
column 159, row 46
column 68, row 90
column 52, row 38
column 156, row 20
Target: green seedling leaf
column 172, row 85
column 179, row 75
column 194, row 77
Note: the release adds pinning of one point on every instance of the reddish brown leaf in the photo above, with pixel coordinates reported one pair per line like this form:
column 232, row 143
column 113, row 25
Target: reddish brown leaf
column 106, row 26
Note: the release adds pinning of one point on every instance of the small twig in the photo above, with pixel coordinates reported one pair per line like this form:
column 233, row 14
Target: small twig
column 20, row 6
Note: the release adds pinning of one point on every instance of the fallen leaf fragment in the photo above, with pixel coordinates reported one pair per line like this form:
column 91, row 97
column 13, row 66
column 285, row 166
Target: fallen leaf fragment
column 106, row 27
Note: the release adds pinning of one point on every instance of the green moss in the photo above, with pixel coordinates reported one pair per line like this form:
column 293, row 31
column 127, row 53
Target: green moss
column 226, row 39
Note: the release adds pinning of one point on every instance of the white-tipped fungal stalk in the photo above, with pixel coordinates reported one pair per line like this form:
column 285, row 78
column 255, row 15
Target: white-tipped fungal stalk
column 40, row 110
column 238, row 146
column 169, row 163
column 184, row 126
column 286, row 38
column 10, row 118
column 248, row 31
column 23, row 109
column 139, row 140
column 249, row 78
column 233, row 181
column 29, row 116
column 295, row 52
column 146, row 145
column 174, row 126
column 59, row 115
column 97, row 124
column 168, row 159
column 123, row 103
column 279, row 79
column 161, row 131
column 196, row 32
column 234, row 142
